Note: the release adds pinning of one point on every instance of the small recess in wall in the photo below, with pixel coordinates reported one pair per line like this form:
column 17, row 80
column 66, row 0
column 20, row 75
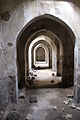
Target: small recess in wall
column 5, row 16
column 9, row 44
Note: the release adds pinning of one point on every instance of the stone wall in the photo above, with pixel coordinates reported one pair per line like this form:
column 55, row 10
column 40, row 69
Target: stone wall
column 10, row 28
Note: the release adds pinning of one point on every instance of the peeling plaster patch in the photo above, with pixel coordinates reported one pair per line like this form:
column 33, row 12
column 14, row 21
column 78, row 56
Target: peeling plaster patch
column 5, row 16
column 66, row 15
column 9, row 44
column 44, row 8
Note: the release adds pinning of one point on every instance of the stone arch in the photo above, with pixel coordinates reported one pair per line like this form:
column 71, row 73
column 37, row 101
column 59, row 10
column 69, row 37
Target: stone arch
column 36, row 51
column 45, row 62
column 57, row 47
column 49, row 49
column 60, row 29
column 48, row 42
column 51, row 41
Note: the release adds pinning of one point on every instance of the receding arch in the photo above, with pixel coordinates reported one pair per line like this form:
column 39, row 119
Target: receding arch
column 60, row 29
column 49, row 49
column 46, row 41
column 38, row 57
column 41, row 60
column 52, row 40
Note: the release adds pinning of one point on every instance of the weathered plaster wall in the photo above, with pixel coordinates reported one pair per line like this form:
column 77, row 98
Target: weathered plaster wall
column 19, row 17
column 48, row 53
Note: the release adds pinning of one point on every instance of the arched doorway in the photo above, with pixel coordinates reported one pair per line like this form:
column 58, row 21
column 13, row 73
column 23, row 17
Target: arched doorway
column 41, row 59
column 62, row 31
column 48, row 51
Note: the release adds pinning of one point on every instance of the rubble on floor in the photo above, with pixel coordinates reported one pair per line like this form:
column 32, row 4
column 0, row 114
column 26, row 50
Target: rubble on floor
column 78, row 108
column 71, row 103
column 62, row 109
column 70, row 96
column 33, row 99
column 52, row 81
column 68, row 116
column 54, row 107
column 53, row 74
column 13, row 115
column 73, row 106
column 45, row 104
column 66, row 102
column 1, row 112
column 35, row 75
column 29, row 117
column 22, row 93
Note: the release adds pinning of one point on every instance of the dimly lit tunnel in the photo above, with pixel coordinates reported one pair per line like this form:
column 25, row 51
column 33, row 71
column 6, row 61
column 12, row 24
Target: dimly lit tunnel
column 45, row 43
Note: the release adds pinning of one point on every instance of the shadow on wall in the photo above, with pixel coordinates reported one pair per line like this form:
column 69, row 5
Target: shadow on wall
column 7, row 5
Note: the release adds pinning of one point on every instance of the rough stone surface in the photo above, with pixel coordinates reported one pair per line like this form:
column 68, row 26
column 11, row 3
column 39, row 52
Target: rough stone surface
column 43, row 109
column 29, row 117
column 66, row 102
column 78, row 108
column 14, row 115
column 70, row 96
column 21, row 95
column 55, row 108
column 32, row 99
column 17, row 18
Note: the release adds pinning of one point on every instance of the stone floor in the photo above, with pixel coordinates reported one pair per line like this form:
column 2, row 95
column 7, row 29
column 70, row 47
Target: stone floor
column 46, row 101
column 45, row 78
column 44, row 74
column 50, row 104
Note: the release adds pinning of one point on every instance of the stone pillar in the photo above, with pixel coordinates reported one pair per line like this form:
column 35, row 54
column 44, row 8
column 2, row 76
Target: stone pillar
column 77, row 73
column 68, row 68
